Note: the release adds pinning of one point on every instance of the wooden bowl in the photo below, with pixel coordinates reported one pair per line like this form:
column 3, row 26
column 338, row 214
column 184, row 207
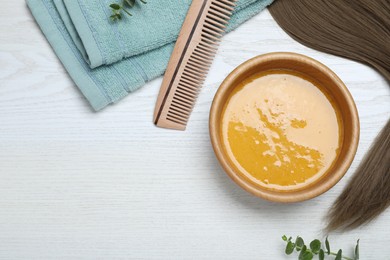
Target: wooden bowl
column 329, row 83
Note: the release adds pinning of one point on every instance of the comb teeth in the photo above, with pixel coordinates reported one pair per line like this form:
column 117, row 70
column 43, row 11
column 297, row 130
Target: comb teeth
column 191, row 59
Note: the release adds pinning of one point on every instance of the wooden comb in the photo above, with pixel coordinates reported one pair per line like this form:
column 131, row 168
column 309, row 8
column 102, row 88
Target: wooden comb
column 190, row 61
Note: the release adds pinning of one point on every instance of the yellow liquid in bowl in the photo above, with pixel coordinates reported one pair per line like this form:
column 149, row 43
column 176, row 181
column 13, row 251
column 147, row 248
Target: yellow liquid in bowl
column 280, row 130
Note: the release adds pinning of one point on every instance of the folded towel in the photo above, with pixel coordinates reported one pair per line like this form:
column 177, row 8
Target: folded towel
column 106, row 59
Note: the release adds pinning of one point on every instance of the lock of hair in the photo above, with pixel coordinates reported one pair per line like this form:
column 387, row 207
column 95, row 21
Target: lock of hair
column 190, row 61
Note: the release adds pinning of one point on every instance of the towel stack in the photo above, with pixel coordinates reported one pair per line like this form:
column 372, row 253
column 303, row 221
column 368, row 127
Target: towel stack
column 107, row 60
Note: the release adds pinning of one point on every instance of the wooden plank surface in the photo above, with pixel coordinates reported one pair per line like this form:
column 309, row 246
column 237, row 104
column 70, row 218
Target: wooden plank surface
column 75, row 184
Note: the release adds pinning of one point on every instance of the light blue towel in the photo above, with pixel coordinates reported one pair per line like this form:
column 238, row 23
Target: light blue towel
column 106, row 59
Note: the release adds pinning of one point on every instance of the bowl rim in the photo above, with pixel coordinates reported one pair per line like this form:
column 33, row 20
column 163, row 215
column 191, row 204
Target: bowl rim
column 272, row 195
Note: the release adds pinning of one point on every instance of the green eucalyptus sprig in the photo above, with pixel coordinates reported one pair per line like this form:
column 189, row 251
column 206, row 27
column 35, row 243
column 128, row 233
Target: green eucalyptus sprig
column 117, row 9
column 307, row 252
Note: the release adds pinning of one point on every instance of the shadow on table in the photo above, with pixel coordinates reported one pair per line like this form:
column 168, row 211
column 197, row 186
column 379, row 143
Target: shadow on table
column 240, row 196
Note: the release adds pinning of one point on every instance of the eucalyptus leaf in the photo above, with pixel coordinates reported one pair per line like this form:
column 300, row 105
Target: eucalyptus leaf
column 115, row 17
column 119, row 9
column 307, row 252
column 327, row 246
column 357, row 250
column 131, row 3
column 321, row 255
column 315, row 246
column 339, row 255
column 299, row 241
column 115, row 6
column 303, row 250
column 127, row 12
column 290, row 248
column 307, row 256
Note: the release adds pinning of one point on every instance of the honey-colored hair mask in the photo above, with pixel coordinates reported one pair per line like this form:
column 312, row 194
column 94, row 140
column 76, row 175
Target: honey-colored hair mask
column 280, row 130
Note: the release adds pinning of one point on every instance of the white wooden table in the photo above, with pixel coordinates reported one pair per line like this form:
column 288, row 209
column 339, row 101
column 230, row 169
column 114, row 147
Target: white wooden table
column 75, row 184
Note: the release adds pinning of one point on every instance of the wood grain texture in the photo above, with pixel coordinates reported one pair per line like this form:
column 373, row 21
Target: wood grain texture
column 75, row 184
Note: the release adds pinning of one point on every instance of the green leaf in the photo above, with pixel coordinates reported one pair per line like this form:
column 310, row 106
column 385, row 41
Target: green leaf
column 327, row 246
column 127, row 12
column 339, row 255
column 315, row 246
column 131, row 3
column 115, row 6
column 299, row 242
column 321, row 255
column 307, row 256
column 303, row 250
column 284, row 238
column 143, row 1
column 290, row 248
column 114, row 17
column 357, row 250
